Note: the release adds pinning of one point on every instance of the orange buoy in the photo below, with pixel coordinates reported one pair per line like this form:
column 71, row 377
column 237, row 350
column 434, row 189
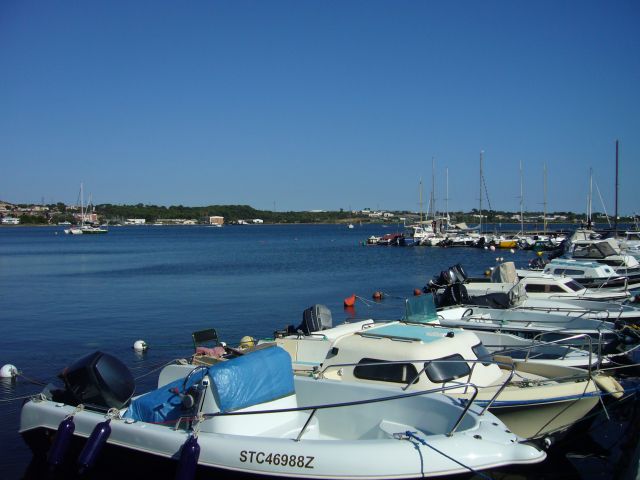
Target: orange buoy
column 350, row 301
column 417, row 292
column 377, row 295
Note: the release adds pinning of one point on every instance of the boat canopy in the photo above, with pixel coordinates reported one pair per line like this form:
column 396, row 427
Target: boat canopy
column 596, row 250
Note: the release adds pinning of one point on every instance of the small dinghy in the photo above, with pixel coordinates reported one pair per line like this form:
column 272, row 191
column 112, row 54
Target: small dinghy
column 249, row 415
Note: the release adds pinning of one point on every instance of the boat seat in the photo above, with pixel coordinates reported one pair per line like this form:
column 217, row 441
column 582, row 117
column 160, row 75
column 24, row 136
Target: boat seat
column 205, row 338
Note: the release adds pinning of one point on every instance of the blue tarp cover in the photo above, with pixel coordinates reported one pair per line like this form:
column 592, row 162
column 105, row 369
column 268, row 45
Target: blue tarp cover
column 162, row 405
column 257, row 377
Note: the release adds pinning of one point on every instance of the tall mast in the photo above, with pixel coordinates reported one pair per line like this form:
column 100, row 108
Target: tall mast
column 447, row 197
column 81, row 205
column 521, row 202
column 590, row 199
column 420, row 196
column 481, row 153
column 433, row 187
column 544, row 218
column 615, row 223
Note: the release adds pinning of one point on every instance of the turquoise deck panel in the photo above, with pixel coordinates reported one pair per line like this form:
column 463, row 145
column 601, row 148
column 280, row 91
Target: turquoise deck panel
column 409, row 332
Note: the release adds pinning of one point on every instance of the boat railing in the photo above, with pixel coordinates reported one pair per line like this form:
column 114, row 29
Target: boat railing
column 353, row 403
column 486, row 362
column 586, row 339
column 468, row 315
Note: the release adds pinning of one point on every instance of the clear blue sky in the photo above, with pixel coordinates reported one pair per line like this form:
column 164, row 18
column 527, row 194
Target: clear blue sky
column 319, row 104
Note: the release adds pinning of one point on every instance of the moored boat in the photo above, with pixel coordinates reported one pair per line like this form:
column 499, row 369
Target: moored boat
column 249, row 415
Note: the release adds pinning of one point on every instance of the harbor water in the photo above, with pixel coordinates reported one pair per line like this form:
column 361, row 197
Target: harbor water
column 64, row 296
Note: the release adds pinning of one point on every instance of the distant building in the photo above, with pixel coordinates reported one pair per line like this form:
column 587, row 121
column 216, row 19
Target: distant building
column 135, row 221
column 216, row 220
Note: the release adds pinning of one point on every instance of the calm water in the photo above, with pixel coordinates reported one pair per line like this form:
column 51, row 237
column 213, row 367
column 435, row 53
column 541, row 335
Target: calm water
column 64, row 296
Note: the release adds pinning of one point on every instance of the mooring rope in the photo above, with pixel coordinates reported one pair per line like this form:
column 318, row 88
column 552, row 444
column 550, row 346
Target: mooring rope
column 412, row 435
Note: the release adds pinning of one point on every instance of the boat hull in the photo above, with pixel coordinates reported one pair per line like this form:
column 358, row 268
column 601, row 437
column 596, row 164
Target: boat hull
column 323, row 457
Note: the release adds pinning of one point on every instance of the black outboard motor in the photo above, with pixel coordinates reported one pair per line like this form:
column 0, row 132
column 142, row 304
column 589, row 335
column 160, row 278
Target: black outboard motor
column 537, row 263
column 460, row 272
column 97, row 380
column 315, row 318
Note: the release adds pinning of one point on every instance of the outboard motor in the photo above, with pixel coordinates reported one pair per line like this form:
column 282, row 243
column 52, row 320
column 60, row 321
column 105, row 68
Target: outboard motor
column 537, row 263
column 461, row 274
column 315, row 318
column 97, row 380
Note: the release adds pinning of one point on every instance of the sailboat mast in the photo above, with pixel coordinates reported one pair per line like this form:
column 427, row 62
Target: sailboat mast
column 81, row 204
column 420, row 196
column 521, row 202
column 446, row 200
column 481, row 153
column 590, row 199
column 615, row 223
column 433, row 187
column 544, row 218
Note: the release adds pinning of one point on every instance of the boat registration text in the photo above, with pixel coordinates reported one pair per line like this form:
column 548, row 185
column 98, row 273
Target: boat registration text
column 300, row 461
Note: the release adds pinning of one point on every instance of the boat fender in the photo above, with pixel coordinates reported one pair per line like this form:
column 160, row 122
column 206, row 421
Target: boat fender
column 610, row 385
column 61, row 442
column 417, row 292
column 94, row 445
column 188, row 462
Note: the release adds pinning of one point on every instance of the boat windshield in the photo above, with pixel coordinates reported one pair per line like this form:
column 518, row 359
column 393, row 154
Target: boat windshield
column 447, row 368
column 368, row 369
column 575, row 286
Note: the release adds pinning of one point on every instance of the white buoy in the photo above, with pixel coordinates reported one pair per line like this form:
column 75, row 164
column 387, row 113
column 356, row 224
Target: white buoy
column 486, row 248
column 512, row 251
column 492, row 248
column 140, row 346
column 8, row 371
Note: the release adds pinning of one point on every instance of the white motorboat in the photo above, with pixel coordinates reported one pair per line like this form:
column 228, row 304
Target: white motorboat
column 417, row 356
column 590, row 274
column 250, row 415
column 449, row 290
column 505, row 277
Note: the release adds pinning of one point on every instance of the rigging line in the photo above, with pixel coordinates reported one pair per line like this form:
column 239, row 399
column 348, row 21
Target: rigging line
column 486, row 192
column 13, row 399
column 603, row 205
column 411, row 435
column 154, row 370
column 32, row 380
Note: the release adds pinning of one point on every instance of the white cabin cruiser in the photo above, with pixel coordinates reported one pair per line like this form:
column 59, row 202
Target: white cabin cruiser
column 417, row 355
column 249, row 415
column 539, row 286
column 590, row 274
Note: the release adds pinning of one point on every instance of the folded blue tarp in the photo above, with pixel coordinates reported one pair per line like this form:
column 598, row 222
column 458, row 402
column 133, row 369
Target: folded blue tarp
column 257, row 377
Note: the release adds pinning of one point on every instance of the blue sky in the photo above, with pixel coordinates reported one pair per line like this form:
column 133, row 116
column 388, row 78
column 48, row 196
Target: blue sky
column 319, row 104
